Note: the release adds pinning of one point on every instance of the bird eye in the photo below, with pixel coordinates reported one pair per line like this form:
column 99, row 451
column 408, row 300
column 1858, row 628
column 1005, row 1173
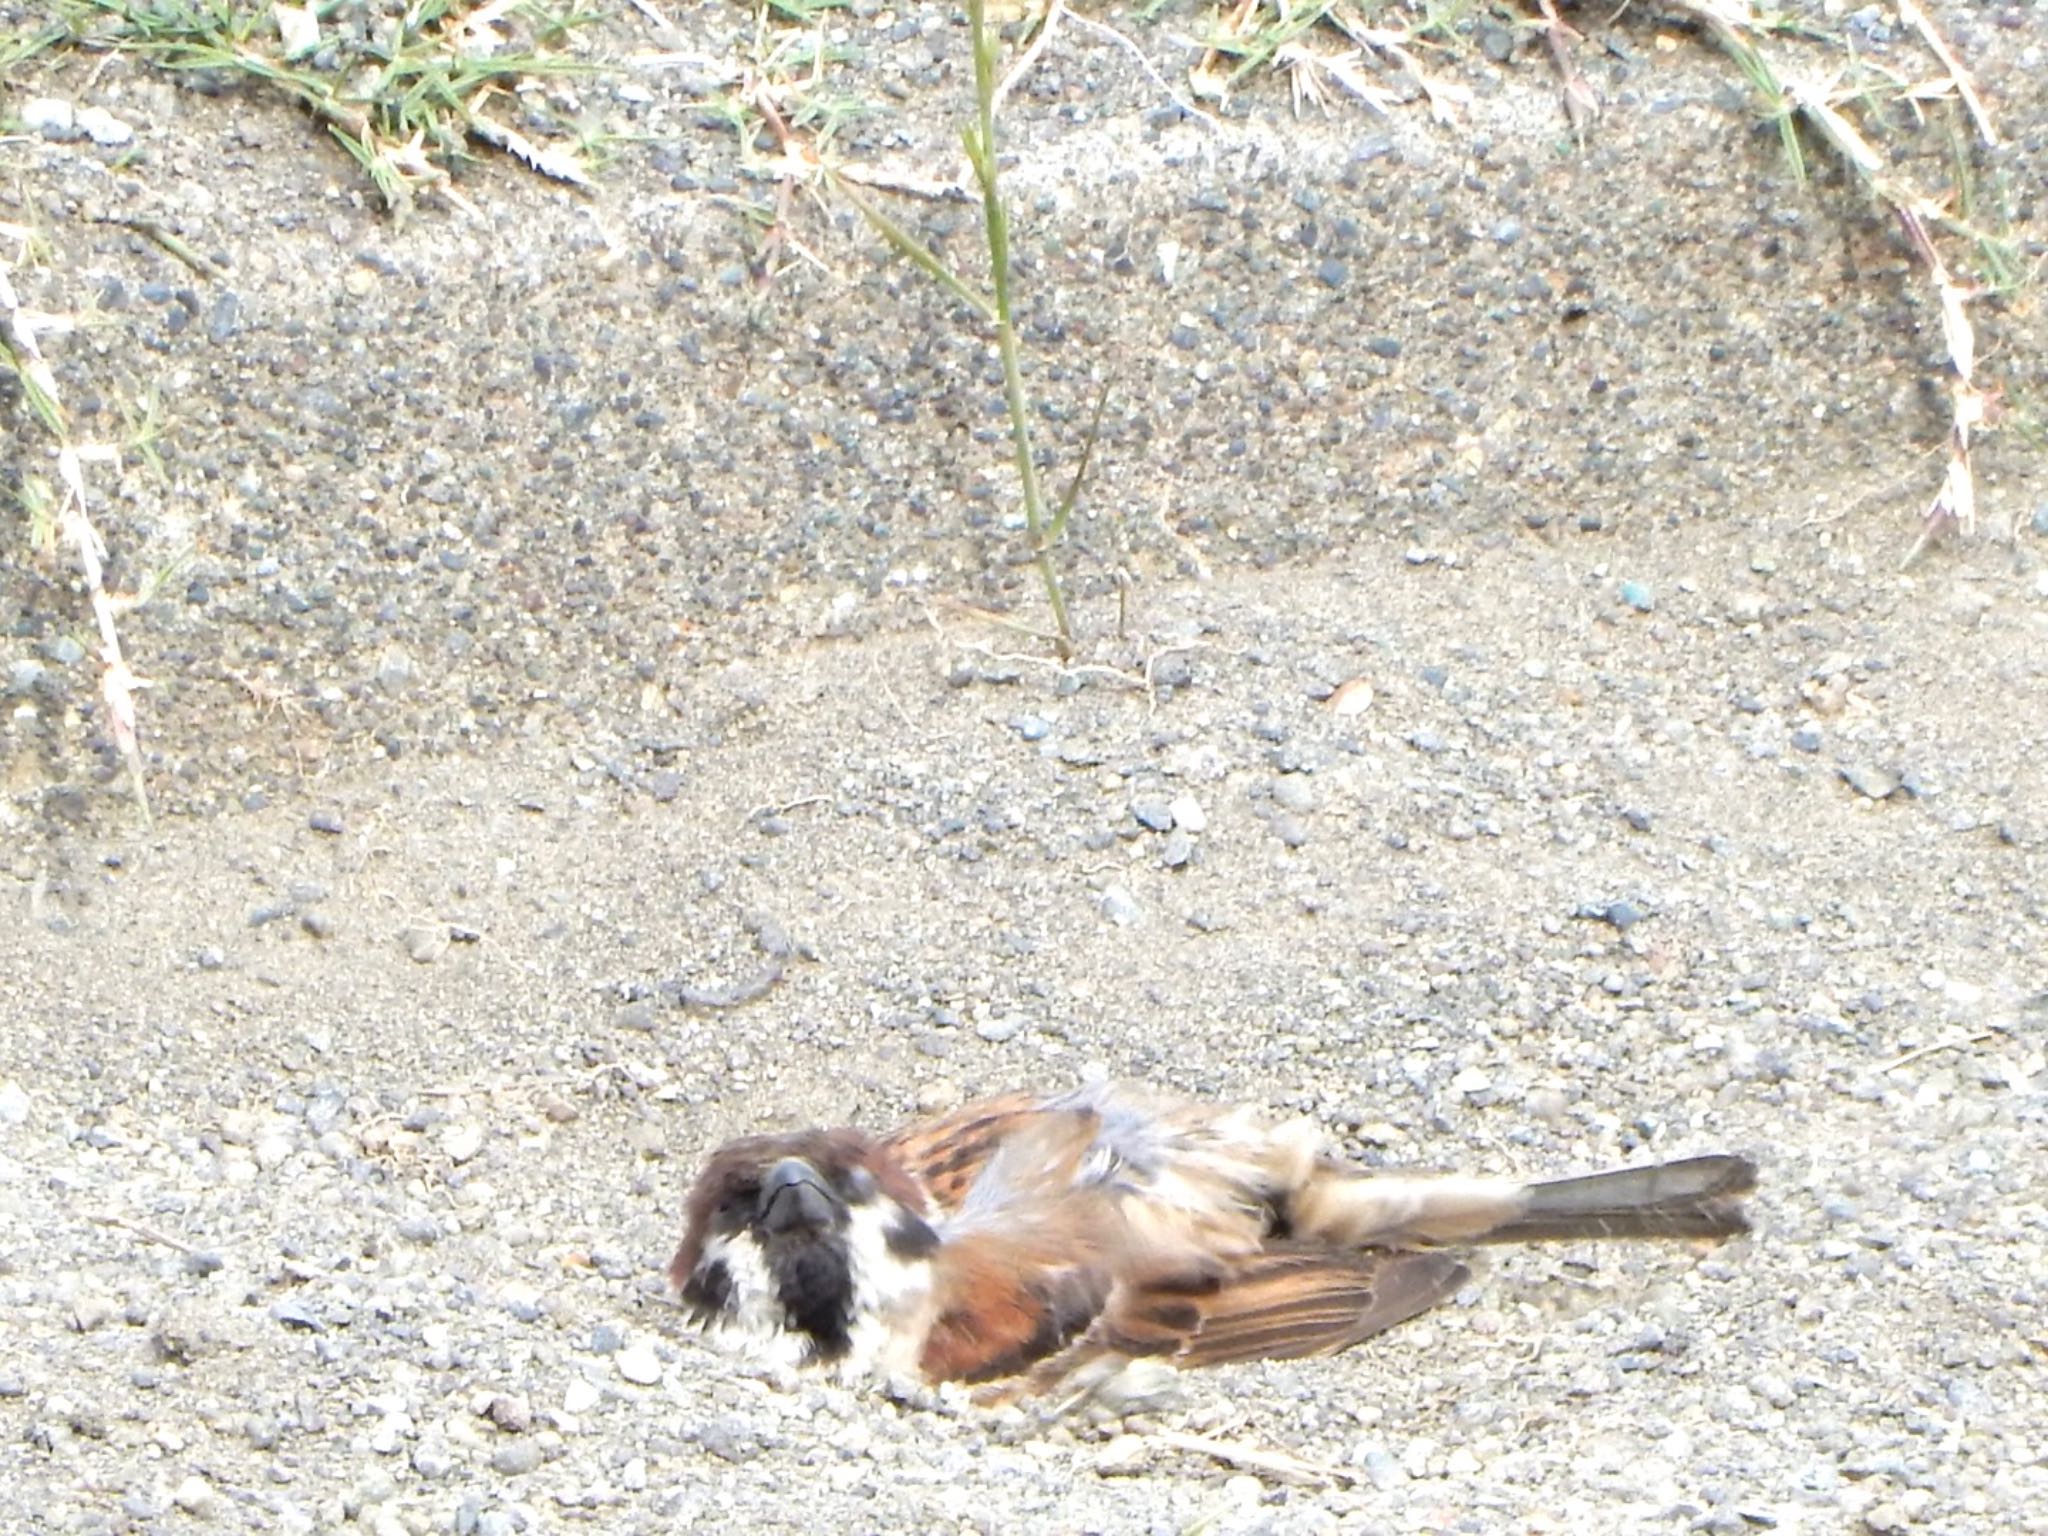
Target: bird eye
column 860, row 1185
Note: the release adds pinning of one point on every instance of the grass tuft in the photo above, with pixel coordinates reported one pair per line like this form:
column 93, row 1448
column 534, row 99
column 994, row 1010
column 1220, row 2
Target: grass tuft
column 405, row 96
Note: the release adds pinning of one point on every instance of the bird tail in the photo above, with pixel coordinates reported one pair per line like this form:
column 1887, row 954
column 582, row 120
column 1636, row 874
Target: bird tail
column 1696, row 1197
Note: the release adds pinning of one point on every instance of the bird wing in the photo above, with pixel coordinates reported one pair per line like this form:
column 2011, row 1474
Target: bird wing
column 948, row 1153
column 1278, row 1304
column 1027, row 1249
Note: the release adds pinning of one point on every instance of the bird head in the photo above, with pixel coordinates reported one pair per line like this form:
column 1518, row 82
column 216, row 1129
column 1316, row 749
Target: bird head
column 793, row 1239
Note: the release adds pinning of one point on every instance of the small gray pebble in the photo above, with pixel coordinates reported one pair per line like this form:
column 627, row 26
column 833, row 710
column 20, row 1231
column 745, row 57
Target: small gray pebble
column 516, row 1459
column 510, row 1412
column 224, row 319
column 728, row 1440
column 1870, row 781
column 425, row 942
column 770, row 935
column 1623, row 914
column 1174, row 670
column 53, row 117
column 1152, row 814
column 1292, row 792
column 1385, row 1473
column 1290, row 831
column 324, row 1110
column 294, row 1313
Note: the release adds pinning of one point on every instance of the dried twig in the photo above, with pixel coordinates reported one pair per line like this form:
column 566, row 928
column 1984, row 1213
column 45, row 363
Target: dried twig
column 1960, row 77
column 107, row 1219
column 772, row 809
column 1237, row 1453
column 1936, row 1047
column 1028, row 61
column 1088, row 24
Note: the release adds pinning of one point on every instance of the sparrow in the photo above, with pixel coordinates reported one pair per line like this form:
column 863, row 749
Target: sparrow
column 1045, row 1244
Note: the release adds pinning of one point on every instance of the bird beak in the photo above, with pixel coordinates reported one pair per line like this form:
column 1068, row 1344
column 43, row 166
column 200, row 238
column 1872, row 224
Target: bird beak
column 794, row 1196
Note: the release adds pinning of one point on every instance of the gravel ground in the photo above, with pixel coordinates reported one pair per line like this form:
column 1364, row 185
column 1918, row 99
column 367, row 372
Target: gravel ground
column 1521, row 752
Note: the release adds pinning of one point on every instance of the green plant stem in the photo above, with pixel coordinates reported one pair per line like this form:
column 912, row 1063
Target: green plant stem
column 981, row 150
column 910, row 249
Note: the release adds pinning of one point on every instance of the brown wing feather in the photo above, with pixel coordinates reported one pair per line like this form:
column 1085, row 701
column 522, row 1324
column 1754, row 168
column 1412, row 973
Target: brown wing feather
column 945, row 1154
column 1279, row 1304
column 1002, row 1307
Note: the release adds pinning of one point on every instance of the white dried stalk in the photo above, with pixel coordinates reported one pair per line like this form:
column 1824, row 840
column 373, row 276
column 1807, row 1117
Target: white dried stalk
column 560, row 164
column 118, row 683
column 1966, row 88
column 1445, row 97
column 1955, row 504
column 1307, row 69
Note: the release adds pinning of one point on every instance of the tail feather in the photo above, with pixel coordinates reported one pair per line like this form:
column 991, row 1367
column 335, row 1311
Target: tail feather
column 1698, row 1197
column 1349, row 1208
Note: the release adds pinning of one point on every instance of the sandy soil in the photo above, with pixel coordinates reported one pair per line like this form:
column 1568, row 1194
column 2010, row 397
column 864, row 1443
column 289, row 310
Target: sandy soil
column 573, row 743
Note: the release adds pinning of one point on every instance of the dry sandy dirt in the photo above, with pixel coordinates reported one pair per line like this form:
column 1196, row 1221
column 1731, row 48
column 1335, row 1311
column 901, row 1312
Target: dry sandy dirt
column 574, row 741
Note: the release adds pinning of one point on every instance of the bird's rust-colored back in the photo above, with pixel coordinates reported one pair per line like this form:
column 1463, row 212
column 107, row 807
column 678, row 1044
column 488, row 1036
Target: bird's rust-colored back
column 946, row 1154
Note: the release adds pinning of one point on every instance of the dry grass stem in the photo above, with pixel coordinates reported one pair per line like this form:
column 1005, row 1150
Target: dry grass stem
column 72, row 523
column 1971, row 407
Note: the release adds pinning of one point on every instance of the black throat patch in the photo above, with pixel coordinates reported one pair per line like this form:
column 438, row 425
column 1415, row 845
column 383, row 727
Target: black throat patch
column 814, row 1283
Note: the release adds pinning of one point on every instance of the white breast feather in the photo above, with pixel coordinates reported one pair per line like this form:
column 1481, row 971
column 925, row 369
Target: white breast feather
column 892, row 1297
